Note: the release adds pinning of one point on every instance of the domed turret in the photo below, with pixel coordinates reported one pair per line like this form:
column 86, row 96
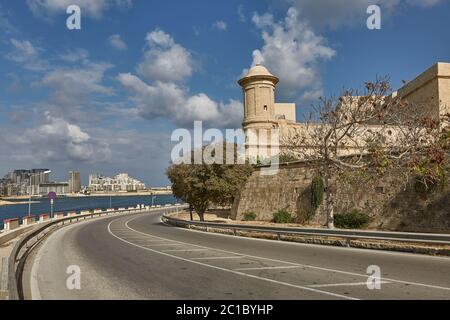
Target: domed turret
column 259, row 95
column 258, row 71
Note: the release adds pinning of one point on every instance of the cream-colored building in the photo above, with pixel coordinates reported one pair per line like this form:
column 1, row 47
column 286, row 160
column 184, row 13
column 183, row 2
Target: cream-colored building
column 266, row 122
column 120, row 183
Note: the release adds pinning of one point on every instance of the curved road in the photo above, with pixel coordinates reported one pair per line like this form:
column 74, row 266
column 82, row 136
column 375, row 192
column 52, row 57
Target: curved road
column 138, row 257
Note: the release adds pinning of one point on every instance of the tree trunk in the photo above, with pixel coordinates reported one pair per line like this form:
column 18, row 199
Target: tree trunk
column 202, row 216
column 190, row 212
column 329, row 208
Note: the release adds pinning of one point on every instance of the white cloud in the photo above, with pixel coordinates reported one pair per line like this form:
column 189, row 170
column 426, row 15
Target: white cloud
column 73, row 83
column 116, row 42
column 169, row 100
column 71, row 86
column 241, row 13
column 26, row 54
column 425, row 3
column 25, row 49
column 263, row 21
column 5, row 23
column 165, row 60
column 157, row 93
column 220, row 25
column 293, row 49
column 293, row 52
column 92, row 8
column 159, row 38
column 58, row 140
column 335, row 14
column 75, row 55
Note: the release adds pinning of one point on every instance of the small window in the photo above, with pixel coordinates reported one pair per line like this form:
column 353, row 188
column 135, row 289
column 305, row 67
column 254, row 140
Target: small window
column 265, row 108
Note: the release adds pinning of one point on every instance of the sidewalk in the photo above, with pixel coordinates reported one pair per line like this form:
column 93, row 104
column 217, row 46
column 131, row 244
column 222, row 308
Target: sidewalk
column 5, row 251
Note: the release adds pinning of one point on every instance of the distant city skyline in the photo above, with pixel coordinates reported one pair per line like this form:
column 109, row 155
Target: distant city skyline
column 106, row 98
column 17, row 182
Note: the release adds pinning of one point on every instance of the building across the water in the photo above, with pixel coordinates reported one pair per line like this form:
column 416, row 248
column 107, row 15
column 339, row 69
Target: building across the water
column 74, row 182
column 17, row 182
column 60, row 188
column 120, row 183
column 37, row 182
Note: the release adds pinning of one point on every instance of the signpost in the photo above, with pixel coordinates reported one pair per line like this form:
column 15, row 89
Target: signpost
column 52, row 196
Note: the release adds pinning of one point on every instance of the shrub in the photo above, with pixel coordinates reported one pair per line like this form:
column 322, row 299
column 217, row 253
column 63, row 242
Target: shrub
column 351, row 220
column 286, row 158
column 249, row 216
column 317, row 189
column 282, row 216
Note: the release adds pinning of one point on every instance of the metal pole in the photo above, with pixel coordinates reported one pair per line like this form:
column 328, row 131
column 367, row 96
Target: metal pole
column 29, row 199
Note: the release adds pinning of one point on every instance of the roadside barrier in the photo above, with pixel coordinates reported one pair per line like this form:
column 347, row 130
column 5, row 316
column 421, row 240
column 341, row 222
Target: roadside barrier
column 24, row 245
column 346, row 236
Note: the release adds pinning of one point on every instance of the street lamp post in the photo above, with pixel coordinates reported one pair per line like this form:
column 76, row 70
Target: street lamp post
column 31, row 179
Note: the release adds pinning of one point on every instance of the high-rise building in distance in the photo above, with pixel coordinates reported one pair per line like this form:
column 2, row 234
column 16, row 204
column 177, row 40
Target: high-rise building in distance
column 74, row 182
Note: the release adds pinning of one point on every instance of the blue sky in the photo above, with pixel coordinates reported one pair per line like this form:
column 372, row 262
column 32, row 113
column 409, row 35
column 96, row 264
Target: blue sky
column 106, row 98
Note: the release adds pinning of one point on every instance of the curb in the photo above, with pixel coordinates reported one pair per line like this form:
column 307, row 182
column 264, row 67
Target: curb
column 417, row 247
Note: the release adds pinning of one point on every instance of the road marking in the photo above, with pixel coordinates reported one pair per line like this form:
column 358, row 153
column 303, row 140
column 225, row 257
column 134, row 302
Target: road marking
column 343, row 284
column 229, row 270
column 145, row 240
column 303, row 265
column 218, row 258
column 163, row 245
column 34, row 281
column 184, row 250
column 268, row 268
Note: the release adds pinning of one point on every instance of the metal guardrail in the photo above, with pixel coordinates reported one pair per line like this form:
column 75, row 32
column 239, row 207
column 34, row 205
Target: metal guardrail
column 24, row 245
column 348, row 235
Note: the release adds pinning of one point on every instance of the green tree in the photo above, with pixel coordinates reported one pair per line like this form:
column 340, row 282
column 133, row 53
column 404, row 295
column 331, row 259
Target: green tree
column 202, row 185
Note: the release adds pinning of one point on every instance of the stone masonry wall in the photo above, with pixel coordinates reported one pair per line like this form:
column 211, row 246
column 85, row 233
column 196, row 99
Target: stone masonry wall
column 389, row 205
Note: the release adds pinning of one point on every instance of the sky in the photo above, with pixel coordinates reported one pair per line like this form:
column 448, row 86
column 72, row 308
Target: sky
column 106, row 98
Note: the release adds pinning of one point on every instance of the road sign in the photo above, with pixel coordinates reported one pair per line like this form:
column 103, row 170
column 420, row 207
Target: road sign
column 52, row 195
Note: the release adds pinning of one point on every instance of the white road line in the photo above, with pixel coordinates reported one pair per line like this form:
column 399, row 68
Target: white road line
column 298, row 264
column 152, row 241
column 218, row 258
column 343, row 284
column 34, row 281
column 184, row 250
column 162, row 245
column 268, row 268
column 231, row 271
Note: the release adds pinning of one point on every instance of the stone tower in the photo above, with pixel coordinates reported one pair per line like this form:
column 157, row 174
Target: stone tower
column 259, row 110
column 259, row 96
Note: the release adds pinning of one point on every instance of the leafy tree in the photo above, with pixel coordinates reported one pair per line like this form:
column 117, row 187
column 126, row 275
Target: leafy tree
column 202, row 185
column 317, row 188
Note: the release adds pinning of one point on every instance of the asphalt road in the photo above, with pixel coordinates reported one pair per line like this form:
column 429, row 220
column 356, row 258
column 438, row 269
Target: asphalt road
column 138, row 257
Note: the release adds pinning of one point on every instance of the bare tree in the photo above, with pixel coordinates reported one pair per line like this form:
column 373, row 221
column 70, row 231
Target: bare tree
column 372, row 133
